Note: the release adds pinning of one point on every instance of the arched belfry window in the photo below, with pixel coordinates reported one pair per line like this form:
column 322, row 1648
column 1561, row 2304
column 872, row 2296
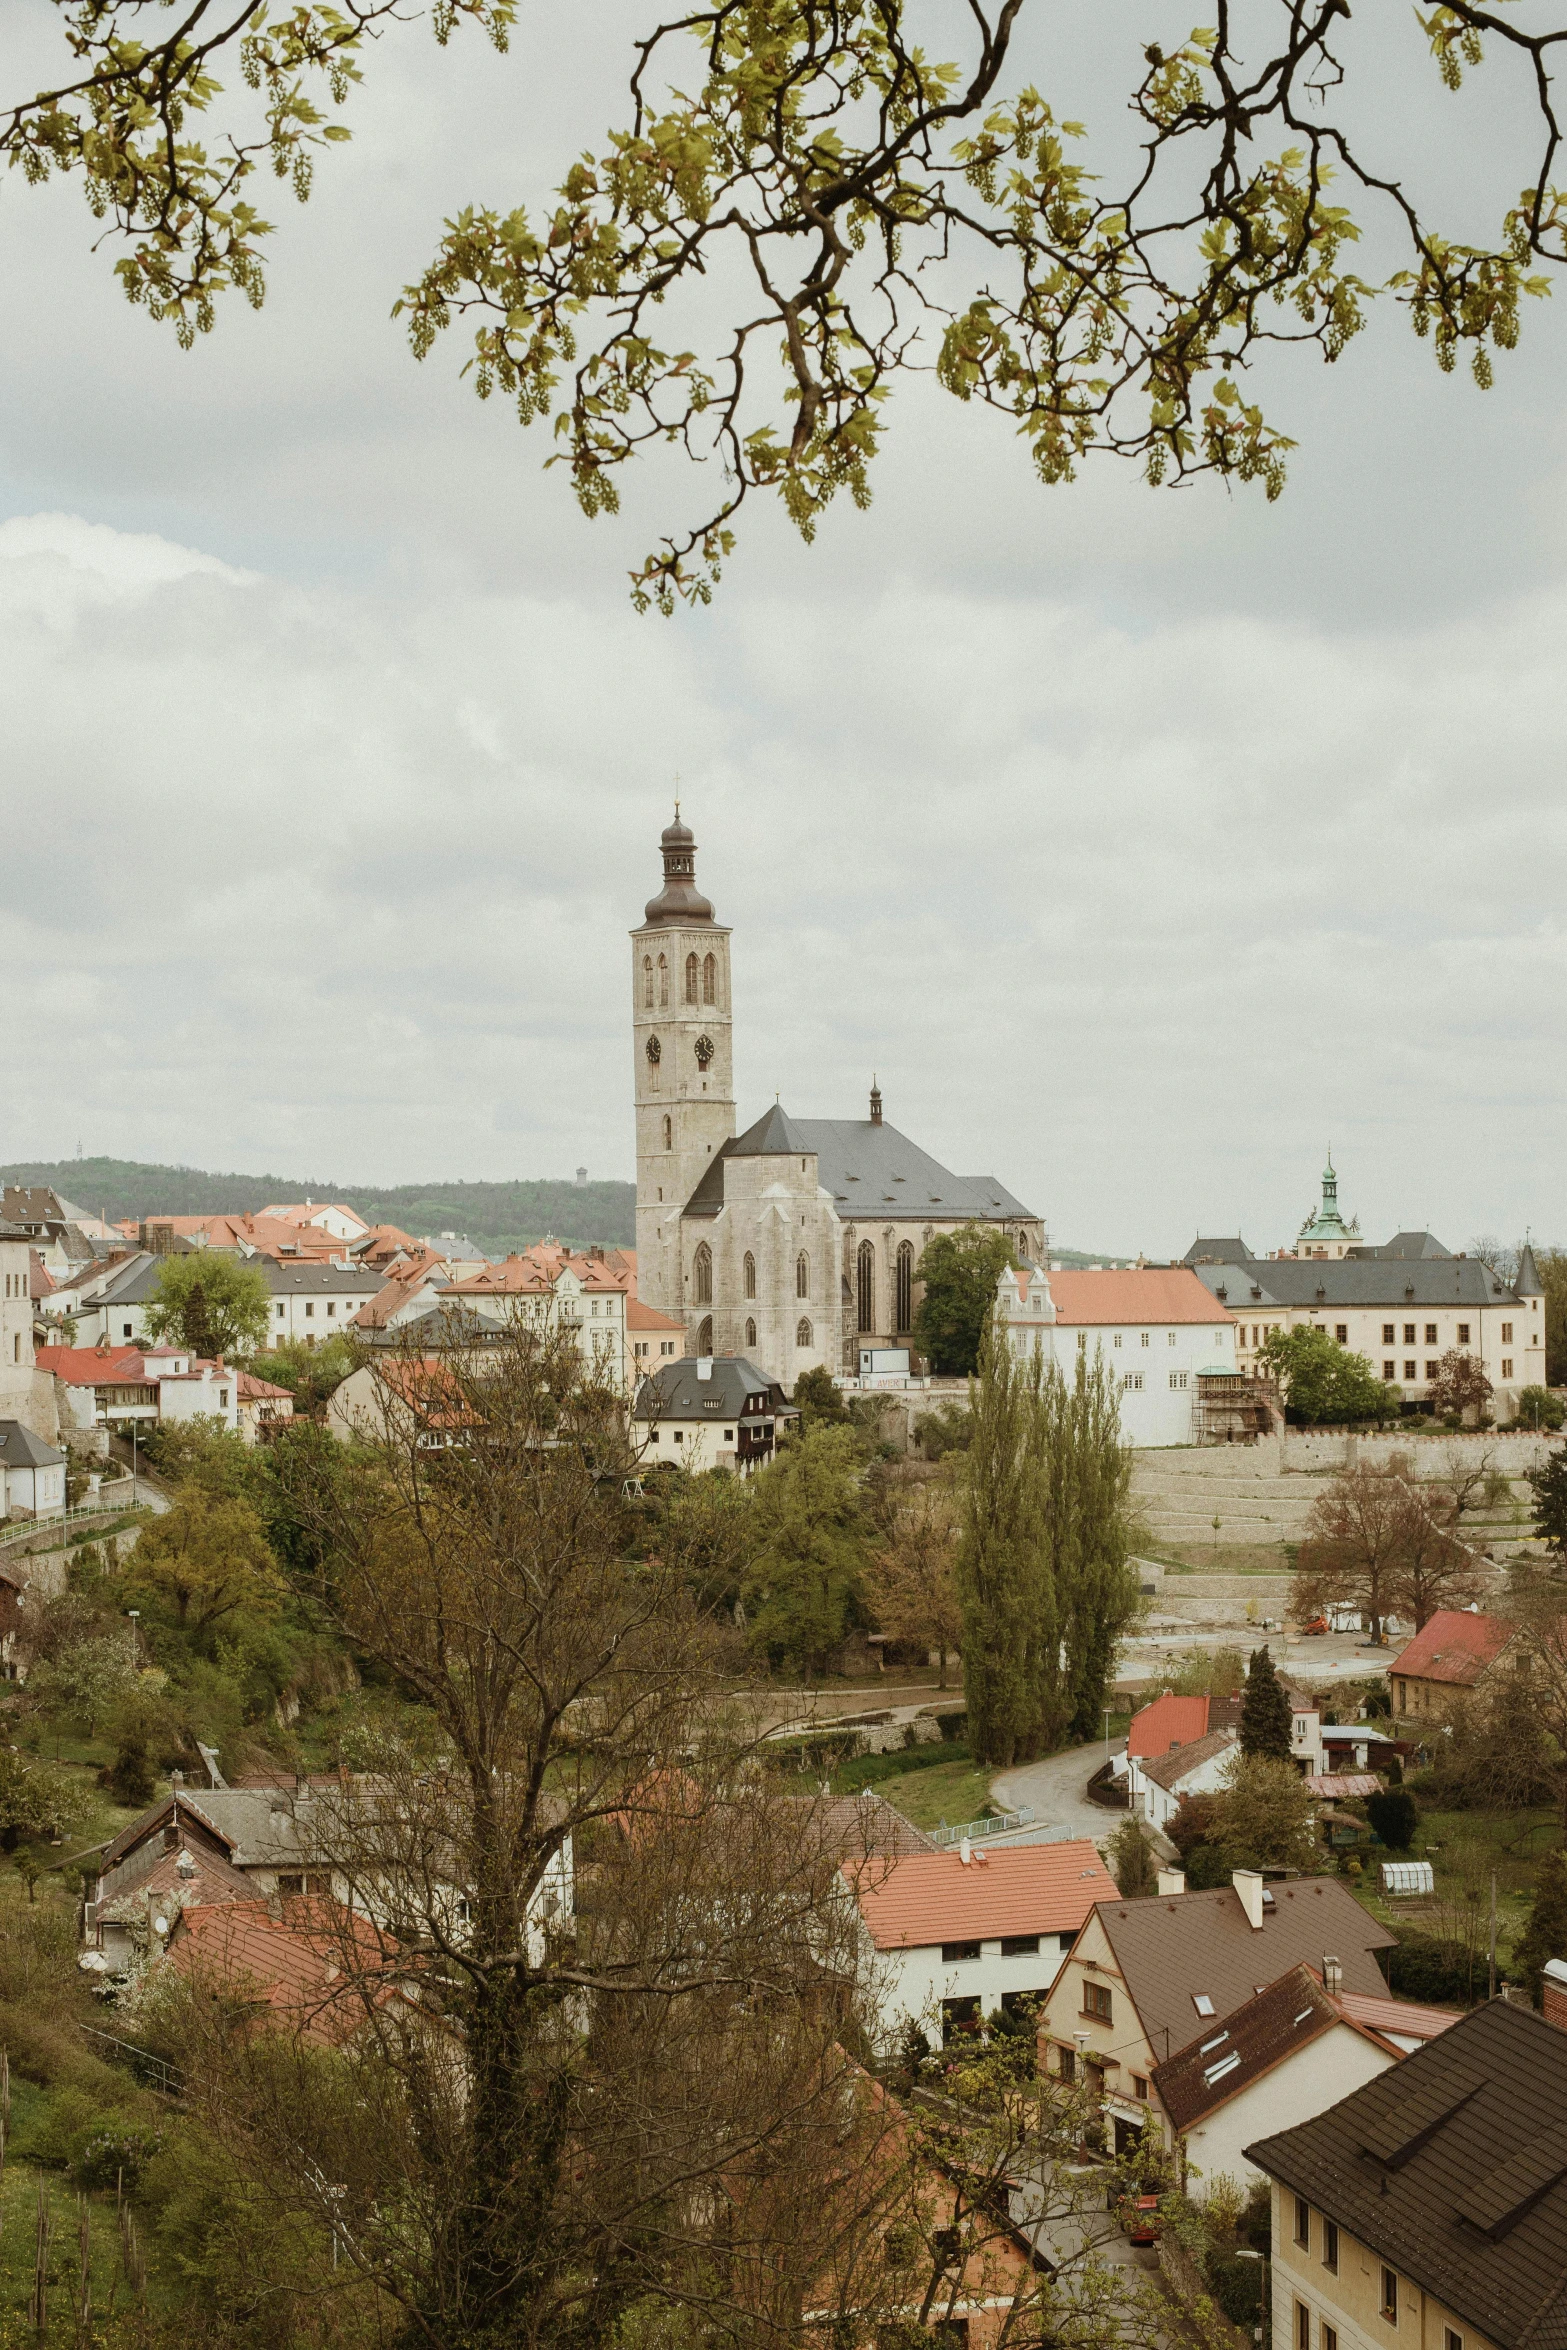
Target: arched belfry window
column 865, row 1286
column 709, row 979
column 802, row 1335
column 647, row 983
column 669, row 1134
column 691, row 978
column 905, row 1286
column 704, row 1336
column 663, row 983
column 750, row 1334
column 802, row 1275
column 702, row 1276
column 750, row 1274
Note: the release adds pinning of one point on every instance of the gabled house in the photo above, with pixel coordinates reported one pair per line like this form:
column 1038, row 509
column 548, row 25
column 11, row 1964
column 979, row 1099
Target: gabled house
column 1146, row 1978
column 957, row 1934
column 1168, row 1722
column 1202, row 1768
column 1451, row 1655
column 1283, row 2055
column 709, row 1412
column 1428, row 2210
column 32, row 1474
column 121, row 1387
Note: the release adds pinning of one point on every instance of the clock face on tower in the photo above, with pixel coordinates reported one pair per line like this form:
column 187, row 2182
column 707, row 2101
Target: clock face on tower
column 654, row 1051
column 704, row 1051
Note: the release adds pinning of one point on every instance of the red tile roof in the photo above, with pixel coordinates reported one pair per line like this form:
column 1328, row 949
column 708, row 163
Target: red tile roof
column 932, row 1897
column 641, row 1317
column 1169, row 1721
column 252, row 1389
column 539, row 1268
column 1163, row 1294
column 1405, row 2017
column 1455, row 1646
column 292, row 1956
column 89, row 1366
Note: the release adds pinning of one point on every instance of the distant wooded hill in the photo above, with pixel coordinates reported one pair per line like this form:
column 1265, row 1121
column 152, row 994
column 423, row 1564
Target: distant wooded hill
column 502, row 1215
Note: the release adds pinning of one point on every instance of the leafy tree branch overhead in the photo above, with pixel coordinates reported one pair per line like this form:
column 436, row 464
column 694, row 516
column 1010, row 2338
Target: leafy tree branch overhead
column 862, row 209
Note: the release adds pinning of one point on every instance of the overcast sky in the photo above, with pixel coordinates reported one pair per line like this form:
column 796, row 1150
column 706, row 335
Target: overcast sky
column 1142, row 845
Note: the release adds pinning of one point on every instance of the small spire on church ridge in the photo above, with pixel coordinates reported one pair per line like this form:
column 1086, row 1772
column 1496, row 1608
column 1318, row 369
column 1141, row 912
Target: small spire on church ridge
column 875, row 1102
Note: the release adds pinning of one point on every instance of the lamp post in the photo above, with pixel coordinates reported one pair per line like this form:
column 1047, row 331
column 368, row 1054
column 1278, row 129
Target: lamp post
column 135, row 1615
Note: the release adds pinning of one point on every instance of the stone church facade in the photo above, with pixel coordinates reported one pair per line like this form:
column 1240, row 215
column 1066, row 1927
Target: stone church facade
column 795, row 1242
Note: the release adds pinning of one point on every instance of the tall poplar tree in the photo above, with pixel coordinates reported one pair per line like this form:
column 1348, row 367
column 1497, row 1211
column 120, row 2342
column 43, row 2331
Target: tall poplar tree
column 1044, row 1580
column 1011, row 1640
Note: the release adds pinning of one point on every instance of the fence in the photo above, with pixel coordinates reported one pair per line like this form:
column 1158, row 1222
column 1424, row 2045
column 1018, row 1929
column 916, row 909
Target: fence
column 31, row 1528
column 998, row 1824
column 154, row 2071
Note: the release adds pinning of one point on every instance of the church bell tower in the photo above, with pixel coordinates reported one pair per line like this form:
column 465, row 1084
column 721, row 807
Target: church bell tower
column 681, row 1027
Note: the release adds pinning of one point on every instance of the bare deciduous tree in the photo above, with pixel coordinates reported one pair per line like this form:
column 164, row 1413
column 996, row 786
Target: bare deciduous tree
column 912, row 1579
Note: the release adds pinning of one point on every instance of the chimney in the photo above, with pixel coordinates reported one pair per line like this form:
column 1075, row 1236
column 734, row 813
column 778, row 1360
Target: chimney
column 1172, row 1881
column 1553, row 1989
column 965, row 1851
column 1332, row 1976
column 1248, row 1884
column 176, row 1779
column 875, row 1103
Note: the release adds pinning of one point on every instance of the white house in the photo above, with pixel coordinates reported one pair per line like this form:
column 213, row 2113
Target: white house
column 122, row 1387
column 1156, row 1327
column 708, row 1412
column 1289, row 2052
column 314, row 1302
column 32, row 1473
column 328, row 1216
column 954, row 1935
column 1198, row 1769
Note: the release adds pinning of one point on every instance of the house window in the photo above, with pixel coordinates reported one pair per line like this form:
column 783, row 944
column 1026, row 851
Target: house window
column 750, row 1274
column 1329, row 2337
column 701, row 1275
column 691, row 979
column 802, row 1275
column 679, row 1436
column 952, row 1952
column 1144, row 1337
column 1330, row 2244
column 709, row 980
column 1097, row 2001
column 332, row 1310
column 1409, row 1334
column 1303, row 2223
column 663, row 984
column 865, row 1272
column 1082, row 1342
column 1454, row 2341
column 1507, row 1334
column 126, row 1327
column 1302, row 2326
column 904, row 1286
column 1431, row 1370
column 1066, row 2064
column 289, row 1883
column 1020, row 1946
column 1132, row 1379
column 223, row 1399
column 1390, row 1370
column 1389, row 1333
column 280, row 1313
column 669, row 1134
column 1341, row 1333
column 1507, row 1366
column 1430, row 1334
column 1411, row 1370
column 647, row 983
column 1139, row 2088
column 1117, row 1339
column 1390, row 2295
column 802, row 1334
column 750, row 1333
column 310, row 1313
column 1463, row 1334
column 729, row 1436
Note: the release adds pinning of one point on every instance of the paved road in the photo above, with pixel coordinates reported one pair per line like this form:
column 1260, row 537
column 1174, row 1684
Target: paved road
column 1054, row 1789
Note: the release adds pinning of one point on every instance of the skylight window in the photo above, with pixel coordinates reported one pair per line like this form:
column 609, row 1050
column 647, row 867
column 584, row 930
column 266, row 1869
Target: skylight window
column 1226, row 2064
column 1202, row 2003
column 1217, row 2041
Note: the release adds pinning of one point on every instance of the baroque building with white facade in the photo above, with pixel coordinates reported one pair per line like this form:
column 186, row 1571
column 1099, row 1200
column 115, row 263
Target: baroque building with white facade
column 795, row 1243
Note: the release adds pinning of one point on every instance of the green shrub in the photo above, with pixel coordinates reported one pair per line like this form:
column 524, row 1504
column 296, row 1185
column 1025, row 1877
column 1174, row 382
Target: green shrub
column 110, row 2155
column 1393, row 1817
column 1236, row 2285
column 1423, row 1967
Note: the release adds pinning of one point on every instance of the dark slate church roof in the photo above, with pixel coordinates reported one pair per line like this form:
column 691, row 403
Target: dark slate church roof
column 1357, row 1281
column 868, row 1168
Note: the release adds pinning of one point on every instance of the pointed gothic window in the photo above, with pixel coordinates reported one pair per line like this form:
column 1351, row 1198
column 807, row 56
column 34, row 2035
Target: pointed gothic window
column 865, row 1278
column 704, row 1336
column 709, row 979
column 647, row 983
column 750, row 1334
column 802, row 1277
column 702, row 1277
column 802, row 1335
column 663, row 984
column 750, row 1274
column 905, row 1286
column 669, row 1134
column 691, row 973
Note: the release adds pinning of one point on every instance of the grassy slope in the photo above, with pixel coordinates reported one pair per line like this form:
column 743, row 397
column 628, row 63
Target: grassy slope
column 505, row 1213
